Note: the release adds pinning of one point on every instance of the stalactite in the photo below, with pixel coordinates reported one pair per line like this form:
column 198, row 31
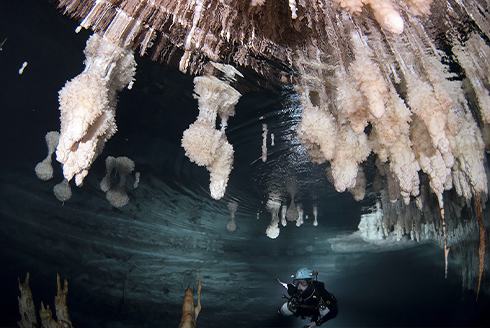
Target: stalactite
column 123, row 165
column 44, row 169
column 231, row 225
column 315, row 215
column 264, row 142
column 203, row 143
column 481, row 248
column 273, row 206
column 446, row 249
column 87, row 106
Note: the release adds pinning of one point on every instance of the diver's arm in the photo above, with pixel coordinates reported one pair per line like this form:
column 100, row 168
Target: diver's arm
column 292, row 290
column 329, row 303
column 332, row 313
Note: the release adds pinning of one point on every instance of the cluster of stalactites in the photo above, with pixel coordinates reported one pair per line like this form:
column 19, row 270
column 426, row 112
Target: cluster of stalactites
column 282, row 213
column 349, row 80
column 390, row 222
column 87, row 112
column 394, row 220
column 189, row 32
column 424, row 224
column 427, row 127
column 226, row 31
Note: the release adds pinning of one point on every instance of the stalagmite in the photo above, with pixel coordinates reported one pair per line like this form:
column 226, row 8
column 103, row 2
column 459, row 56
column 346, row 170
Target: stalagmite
column 60, row 301
column 189, row 312
column 27, row 308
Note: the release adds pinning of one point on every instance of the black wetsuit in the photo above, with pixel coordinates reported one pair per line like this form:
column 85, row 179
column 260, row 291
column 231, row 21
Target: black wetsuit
column 309, row 302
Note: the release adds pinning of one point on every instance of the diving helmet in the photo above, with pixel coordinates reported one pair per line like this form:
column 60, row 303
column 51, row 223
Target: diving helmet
column 304, row 273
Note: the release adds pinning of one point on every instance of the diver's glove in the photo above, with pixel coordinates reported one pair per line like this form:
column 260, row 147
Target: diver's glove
column 292, row 289
column 285, row 285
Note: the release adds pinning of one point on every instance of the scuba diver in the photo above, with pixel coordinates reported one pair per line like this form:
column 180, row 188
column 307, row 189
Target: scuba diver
column 309, row 299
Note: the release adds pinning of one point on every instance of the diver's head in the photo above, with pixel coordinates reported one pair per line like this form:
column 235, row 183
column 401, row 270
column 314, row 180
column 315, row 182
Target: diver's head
column 303, row 278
